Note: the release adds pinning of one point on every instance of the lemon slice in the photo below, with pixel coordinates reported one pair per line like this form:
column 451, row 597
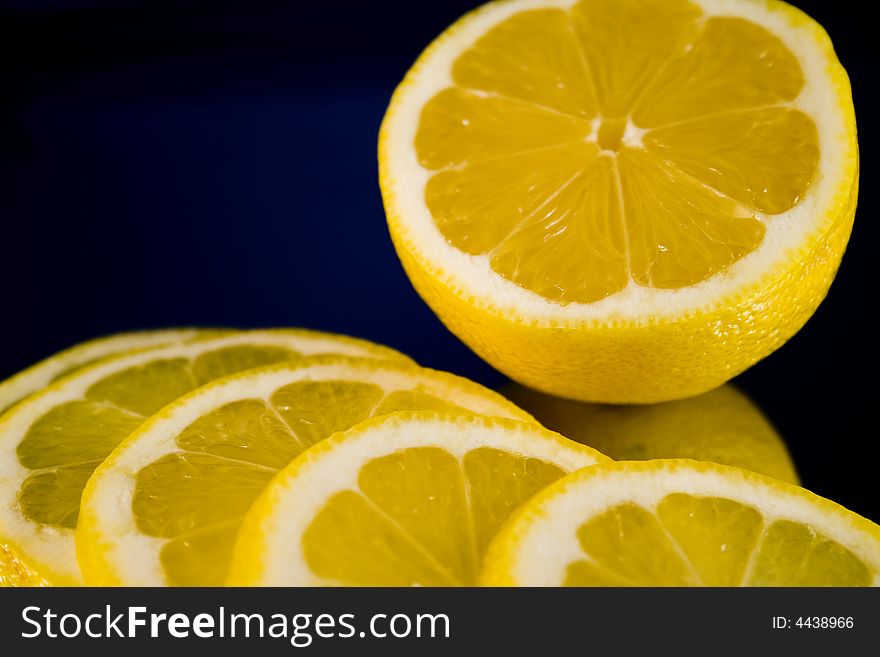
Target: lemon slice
column 410, row 499
column 166, row 506
column 682, row 523
column 51, row 442
column 623, row 201
column 43, row 373
column 723, row 426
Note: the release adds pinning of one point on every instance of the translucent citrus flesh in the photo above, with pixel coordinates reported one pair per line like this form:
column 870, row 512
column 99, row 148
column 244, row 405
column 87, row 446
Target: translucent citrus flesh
column 692, row 540
column 618, row 142
column 195, row 498
column 63, row 447
column 421, row 516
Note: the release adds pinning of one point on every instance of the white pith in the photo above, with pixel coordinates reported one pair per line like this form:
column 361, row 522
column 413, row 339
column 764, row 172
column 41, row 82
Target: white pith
column 543, row 541
column 132, row 556
column 274, row 554
column 472, row 278
column 51, row 549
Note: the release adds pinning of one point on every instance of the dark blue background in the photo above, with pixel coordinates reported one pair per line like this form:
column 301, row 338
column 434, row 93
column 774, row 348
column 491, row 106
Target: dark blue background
column 214, row 163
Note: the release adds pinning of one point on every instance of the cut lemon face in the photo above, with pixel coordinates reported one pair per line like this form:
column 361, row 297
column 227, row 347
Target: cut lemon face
column 723, row 426
column 45, row 372
column 623, row 200
column 52, row 442
column 410, row 499
column 166, row 506
column 13, row 571
column 682, row 523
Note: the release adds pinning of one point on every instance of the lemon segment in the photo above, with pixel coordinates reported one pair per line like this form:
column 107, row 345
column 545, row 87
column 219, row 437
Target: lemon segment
column 380, row 532
column 51, row 443
column 681, row 523
column 408, row 499
column 623, row 201
column 165, row 506
column 730, row 65
column 723, row 426
column 627, row 44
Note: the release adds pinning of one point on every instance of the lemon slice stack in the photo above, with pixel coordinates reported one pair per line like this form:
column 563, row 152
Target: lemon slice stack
column 51, row 442
column 167, row 506
column 289, row 457
column 139, row 468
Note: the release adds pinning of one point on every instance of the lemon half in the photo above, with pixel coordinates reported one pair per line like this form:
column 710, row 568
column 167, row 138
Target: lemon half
column 623, row 201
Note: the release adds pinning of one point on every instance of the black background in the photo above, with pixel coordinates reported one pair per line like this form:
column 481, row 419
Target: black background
column 214, row 163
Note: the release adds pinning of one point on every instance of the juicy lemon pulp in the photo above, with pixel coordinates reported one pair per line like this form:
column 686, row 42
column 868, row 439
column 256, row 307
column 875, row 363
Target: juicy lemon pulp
column 620, row 141
column 707, row 541
column 421, row 516
column 195, row 498
column 113, row 407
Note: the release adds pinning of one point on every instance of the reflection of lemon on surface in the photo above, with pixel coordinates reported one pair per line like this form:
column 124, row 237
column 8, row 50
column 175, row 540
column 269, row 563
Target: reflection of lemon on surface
column 51, row 442
column 682, row 523
column 409, row 499
column 723, row 426
column 166, row 506
column 623, row 200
